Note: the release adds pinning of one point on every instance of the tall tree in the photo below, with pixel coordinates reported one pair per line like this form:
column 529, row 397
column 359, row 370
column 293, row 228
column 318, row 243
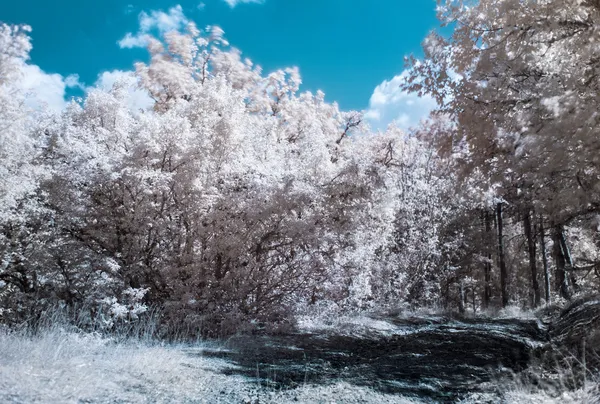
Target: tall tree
column 520, row 80
column 487, row 293
column 501, row 258
column 547, row 287
column 532, row 249
column 561, row 260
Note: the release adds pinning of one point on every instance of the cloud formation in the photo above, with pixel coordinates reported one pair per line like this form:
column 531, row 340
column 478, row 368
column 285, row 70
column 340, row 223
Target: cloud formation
column 233, row 3
column 48, row 90
column 173, row 20
column 389, row 103
column 136, row 98
column 43, row 89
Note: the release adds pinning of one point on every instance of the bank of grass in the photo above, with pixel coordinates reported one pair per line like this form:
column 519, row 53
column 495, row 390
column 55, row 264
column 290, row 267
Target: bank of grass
column 54, row 361
column 62, row 366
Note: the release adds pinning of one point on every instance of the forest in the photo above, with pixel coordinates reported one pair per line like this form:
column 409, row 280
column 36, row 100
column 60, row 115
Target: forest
column 234, row 198
column 230, row 201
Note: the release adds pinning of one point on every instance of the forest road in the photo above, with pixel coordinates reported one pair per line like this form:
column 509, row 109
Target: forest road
column 438, row 358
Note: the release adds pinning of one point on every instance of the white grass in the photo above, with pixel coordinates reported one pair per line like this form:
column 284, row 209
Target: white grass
column 326, row 319
column 588, row 396
column 356, row 325
column 519, row 395
column 61, row 366
column 65, row 367
column 516, row 312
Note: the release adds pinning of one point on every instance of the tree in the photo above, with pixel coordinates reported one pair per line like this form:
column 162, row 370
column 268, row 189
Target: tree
column 522, row 99
column 18, row 176
column 235, row 198
column 24, row 226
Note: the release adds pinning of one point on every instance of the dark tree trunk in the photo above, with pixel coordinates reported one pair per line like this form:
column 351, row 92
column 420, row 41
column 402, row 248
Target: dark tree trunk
column 561, row 280
column 461, row 298
column 570, row 273
column 545, row 260
column 501, row 260
column 532, row 247
column 487, row 291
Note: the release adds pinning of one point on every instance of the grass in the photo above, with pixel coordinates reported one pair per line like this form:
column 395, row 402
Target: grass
column 59, row 366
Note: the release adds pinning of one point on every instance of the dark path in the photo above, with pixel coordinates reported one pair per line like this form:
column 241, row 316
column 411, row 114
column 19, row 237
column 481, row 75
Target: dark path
column 435, row 358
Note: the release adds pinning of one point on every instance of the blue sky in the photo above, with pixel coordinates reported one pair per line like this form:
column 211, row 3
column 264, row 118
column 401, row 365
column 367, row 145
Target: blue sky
column 351, row 49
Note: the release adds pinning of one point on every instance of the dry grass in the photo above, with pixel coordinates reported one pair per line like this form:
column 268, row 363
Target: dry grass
column 65, row 367
column 59, row 364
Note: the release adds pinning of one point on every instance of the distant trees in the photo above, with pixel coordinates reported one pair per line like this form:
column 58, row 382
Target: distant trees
column 519, row 80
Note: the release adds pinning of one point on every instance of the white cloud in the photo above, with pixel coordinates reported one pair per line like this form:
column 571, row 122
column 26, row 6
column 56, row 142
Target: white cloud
column 136, row 98
column 233, row 3
column 133, row 41
column 72, row 81
column 389, row 103
column 43, row 89
column 160, row 21
column 164, row 22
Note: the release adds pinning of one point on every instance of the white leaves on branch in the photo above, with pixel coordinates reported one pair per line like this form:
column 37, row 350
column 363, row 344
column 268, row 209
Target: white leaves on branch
column 199, row 179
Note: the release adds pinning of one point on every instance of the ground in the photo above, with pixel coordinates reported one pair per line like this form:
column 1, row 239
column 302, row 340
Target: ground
column 65, row 366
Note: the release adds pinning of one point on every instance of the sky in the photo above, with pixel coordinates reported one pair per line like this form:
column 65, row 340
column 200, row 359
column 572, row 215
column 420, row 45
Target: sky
column 353, row 50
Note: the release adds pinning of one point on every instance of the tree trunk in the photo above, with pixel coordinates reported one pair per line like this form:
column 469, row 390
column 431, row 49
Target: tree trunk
column 570, row 273
column 487, row 291
column 461, row 298
column 501, row 260
column 531, row 246
column 561, row 280
column 545, row 261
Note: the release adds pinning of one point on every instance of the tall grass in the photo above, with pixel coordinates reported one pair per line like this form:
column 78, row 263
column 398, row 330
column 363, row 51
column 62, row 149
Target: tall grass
column 64, row 357
column 57, row 365
column 560, row 377
column 59, row 359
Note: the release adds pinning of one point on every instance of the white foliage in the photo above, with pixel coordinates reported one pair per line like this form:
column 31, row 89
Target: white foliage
column 200, row 179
